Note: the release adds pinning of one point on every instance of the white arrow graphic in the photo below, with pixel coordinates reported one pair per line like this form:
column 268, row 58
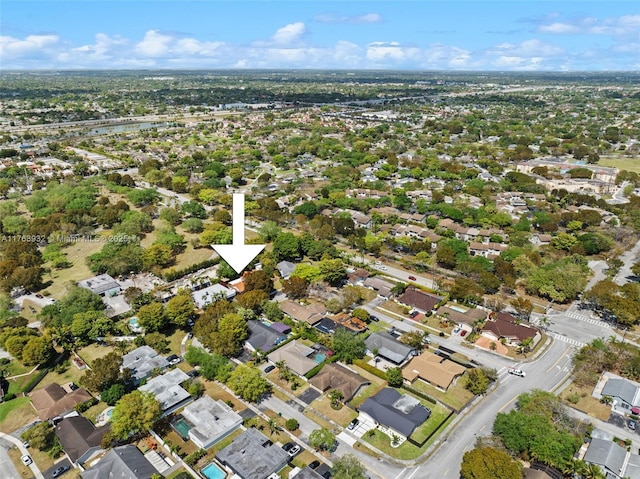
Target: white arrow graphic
column 238, row 254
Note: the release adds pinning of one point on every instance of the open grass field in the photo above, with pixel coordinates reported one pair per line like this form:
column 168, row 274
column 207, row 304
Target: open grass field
column 16, row 413
column 621, row 162
column 92, row 352
column 274, row 378
column 455, row 397
column 216, row 392
column 376, row 385
column 438, row 414
column 77, row 253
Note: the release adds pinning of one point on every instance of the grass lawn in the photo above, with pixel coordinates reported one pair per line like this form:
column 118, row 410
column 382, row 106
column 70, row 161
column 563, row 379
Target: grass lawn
column 393, row 307
column 343, row 416
column 212, row 389
column 62, row 376
column 190, row 255
column 438, row 414
column 376, row 385
column 92, row 352
column 303, row 459
column 274, row 378
column 586, row 403
column 16, row 413
column 175, row 340
column 77, row 254
column 455, row 397
column 621, row 162
column 92, row 413
column 315, row 417
column 15, row 368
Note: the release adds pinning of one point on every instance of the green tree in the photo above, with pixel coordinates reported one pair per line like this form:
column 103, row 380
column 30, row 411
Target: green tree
column 112, row 394
column 489, row 463
column 322, row 439
column 105, row 372
column 477, row 381
column 295, row 287
column 348, row 467
column 134, row 413
column 41, row 436
column 157, row 256
column 286, row 247
column 348, row 346
column 333, row 271
column 291, row 424
column 38, row 350
column 231, row 332
column 152, row 317
column 271, row 309
column 180, row 309
column 394, row 377
column 248, row 383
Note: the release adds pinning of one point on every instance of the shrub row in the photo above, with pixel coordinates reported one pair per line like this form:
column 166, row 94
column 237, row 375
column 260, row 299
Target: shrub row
column 194, row 457
column 316, row 369
column 35, row 380
column 83, row 406
column 371, row 369
column 174, row 274
column 420, row 394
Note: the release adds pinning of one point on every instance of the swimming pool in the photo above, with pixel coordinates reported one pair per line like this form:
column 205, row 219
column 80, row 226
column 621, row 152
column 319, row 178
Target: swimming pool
column 134, row 325
column 458, row 309
column 182, row 428
column 212, row 471
column 319, row 358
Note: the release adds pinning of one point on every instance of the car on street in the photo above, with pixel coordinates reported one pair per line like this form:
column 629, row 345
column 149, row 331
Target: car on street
column 269, row 368
column 382, row 267
column 314, row 464
column 374, row 318
column 26, row 460
column 412, row 278
column 352, row 425
column 378, row 263
column 59, row 471
column 517, row 372
column 632, row 424
column 26, row 444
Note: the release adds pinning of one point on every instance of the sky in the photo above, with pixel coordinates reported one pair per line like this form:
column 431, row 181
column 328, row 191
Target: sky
column 513, row 35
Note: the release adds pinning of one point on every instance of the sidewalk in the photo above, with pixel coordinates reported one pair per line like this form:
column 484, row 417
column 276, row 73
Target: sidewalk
column 23, row 451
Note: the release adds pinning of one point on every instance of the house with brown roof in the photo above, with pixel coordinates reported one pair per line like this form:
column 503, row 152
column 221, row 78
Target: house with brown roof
column 350, row 322
column 296, row 356
column 504, row 325
column 463, row 317
column 338, row 377
column 53, row 400
column 79, row 438
column 310, row 313
column 381, row 286
column 419, row 300
column 357, row 276
column 432, row 369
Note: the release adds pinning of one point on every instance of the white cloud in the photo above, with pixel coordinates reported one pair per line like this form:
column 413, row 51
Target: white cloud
column 622, row 26
column 558, row 28
column 15, row 48
column 154, row 44
column 356, row 19
column 289, row 34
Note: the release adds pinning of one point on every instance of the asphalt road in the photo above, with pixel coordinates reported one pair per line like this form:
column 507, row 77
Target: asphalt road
column 6, row 466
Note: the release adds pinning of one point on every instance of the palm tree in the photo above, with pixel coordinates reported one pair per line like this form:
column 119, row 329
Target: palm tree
column 273, row 426
column 573, row 467
column 593, row 471
column 545, row 322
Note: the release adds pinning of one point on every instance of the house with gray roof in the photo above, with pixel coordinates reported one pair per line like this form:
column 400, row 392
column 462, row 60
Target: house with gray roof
column 122, row 462
column 210, row 421
column 395, row 413
column 167, row 390
column 386, row 346
column 103, row 285
column 142, row 361
column 285, row 268
column 203, row 297
column 381, row 286
column 79, row 438
column 614, row 461
column 625, row 393
column 252, row 455
column 262, row 337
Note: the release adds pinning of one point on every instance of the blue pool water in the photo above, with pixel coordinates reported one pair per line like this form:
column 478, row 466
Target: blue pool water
column 212, row 471
column 458, row 309
column 319, row 358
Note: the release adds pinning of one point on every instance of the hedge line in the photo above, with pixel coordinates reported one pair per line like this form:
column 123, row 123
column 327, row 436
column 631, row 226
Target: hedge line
column 35, row 380
column 316, row 369
column 174, row 274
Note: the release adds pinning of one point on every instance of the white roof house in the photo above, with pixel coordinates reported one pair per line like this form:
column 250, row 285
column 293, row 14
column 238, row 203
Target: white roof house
column 210, row 421
column 167, row 390
column 208, row 295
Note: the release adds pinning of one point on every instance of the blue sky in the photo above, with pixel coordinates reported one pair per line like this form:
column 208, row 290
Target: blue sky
column 419, row 35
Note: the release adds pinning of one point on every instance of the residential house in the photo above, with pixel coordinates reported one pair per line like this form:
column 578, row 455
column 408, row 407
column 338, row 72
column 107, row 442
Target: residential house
column 540, row 239
column 488, row 250
column 327, row 325
column 121, row 462
column 625, row 393
column 252, row 455
column 433, row 369
column 79, row 438
column 394, row 413
column 286, row 268
column 338, row 377
column 102, row 285
column 210, row 421
column 357, row 276
column 386, row 346
column 308, row 473
column 463, row 317
column 349, row 322
column 208, row 295
column 310, row 313
column 381, row 286
column 262, row 337
column 142, row 361
column 504, row 325
column 419, row 300
column 167, row 390
column 296, row 356
column 614, row 460
column 52, row 400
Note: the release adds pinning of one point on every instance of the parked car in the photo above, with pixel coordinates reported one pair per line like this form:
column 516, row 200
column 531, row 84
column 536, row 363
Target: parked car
column 463, row 333
column 174, row 359
column 59, row 471
column 269, row 368
column 26, row 444
column 413, row 314
column 288, row 446
column 517, row 372
column 26, row 459
column 456, row 330
column 632, row 424
column 352, row 425
column 314, row 464
column 412, row 278
column 374, row 318
column 294, row 450
column 73, row 386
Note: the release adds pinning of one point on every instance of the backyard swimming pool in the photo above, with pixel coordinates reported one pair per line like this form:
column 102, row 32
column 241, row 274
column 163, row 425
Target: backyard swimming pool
column 212, row 471
column 182, row 428
column 319, row 358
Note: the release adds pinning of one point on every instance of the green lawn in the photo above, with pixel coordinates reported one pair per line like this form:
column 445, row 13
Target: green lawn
column 621, row 162
column 455, row 397
column 343, row 416
column 438, row 414
column 93, row 351
column 77, row 253
column 16, row 413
